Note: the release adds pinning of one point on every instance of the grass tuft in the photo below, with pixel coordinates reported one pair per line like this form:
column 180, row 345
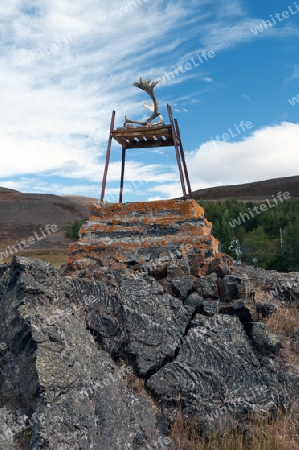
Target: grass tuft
column 281, row 433
column 284, row 322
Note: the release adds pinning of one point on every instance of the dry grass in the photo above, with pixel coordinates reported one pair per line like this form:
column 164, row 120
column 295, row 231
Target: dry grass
column 284, row 322
column 279, row 434
column 137, row 387
column 56, row 257
column 260, row 295
column 23, row 440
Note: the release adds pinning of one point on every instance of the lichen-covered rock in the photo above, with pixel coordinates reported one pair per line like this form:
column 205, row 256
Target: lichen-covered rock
column 182, row 287
column 177, row 269
column 221, row 266
column 207, row 286
column 278, row 285
column 244, row 309
column 215, row 373
column 194, row 301
column 263, row 340
column 209, row 308
column 69, row 345
column 266, row 308
column 141, row 322
column 233, row 287
column 4, row 268
column 54, row 368
column 8, row 424
column 295, row 342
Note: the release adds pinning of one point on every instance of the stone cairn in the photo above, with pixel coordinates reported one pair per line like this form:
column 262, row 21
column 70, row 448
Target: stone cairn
column 144, row 236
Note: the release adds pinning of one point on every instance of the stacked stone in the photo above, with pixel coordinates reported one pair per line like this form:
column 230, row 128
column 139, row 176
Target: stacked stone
column 144, row 234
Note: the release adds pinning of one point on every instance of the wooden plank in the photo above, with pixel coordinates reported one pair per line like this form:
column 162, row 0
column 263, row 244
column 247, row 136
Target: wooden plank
column 141, row 135
column 121, row 141
column 123, row 130
column 151, row 144
column 136, row 132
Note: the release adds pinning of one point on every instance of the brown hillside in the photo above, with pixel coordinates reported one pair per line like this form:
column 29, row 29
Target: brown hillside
column 80, row 199
column 257, row 191
column 23, row 214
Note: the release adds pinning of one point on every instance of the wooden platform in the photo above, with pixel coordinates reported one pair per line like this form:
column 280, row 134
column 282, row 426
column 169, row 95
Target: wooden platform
column 144, row 137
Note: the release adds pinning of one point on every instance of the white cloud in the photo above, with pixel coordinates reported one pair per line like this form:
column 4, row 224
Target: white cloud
column 57, row 109
column 171, row 190
column 267, row 153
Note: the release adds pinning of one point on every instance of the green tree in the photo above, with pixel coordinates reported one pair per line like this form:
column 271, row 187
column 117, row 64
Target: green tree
column 259, row 232
column 261, row 251
column 290, row 247
column 73, row 230
column 223, row 232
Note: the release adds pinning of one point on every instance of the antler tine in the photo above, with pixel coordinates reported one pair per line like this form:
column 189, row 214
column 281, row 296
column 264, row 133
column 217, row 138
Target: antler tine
column 148, row 86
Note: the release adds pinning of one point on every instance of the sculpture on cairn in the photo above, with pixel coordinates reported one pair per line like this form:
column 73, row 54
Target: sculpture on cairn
column 147, row 86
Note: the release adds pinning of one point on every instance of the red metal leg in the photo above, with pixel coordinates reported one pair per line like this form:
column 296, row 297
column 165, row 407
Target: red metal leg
column 183, row 157
column 107, row 157
column 123, row 161
column 174, row 137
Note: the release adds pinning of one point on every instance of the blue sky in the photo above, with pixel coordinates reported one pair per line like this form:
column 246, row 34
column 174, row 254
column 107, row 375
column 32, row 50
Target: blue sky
column 66, row 65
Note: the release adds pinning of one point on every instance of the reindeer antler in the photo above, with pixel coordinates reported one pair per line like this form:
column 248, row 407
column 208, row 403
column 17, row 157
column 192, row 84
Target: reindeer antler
column 148, row 86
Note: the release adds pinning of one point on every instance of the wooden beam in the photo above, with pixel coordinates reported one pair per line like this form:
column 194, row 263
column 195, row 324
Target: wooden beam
column 150, row 144
column 142, row 131
column 121, row 141
column 150, row 138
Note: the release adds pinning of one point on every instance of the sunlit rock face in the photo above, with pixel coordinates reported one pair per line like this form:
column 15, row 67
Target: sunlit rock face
column 147, row 324
column 94, row 364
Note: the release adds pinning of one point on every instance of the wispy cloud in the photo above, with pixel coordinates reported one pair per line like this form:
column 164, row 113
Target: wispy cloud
column 295, row 73
column 55, row 111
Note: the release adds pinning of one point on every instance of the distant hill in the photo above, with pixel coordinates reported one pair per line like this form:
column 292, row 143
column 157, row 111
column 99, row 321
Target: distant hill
column 22, row 214
column 6, row 191
column 257, row 191
column 80, row 199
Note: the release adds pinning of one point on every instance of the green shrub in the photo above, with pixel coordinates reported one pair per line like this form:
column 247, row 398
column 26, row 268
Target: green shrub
column 73, row 230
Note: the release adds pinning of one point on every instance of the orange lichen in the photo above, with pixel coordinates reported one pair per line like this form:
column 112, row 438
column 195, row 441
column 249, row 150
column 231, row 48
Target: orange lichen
column 117, row 232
